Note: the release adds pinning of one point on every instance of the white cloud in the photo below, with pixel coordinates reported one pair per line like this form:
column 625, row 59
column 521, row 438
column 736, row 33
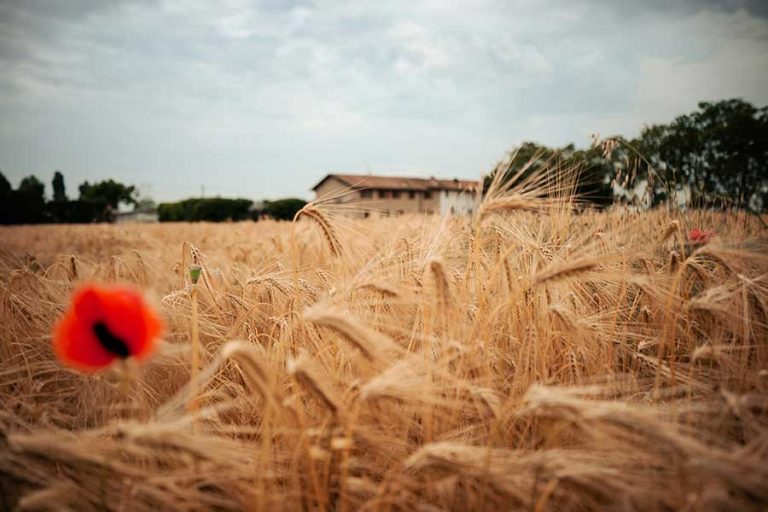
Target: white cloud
column 526, row 60
column 733, row 65
column 420, row 49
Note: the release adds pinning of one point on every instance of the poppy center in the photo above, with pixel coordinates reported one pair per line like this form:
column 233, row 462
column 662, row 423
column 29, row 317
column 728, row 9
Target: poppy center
column 110, row 342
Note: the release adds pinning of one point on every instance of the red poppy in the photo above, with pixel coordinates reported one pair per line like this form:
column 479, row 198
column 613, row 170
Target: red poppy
column 103, row 325
column 698, row 236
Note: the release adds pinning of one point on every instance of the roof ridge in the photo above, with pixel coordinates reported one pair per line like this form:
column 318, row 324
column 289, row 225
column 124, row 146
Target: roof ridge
column 400, row 182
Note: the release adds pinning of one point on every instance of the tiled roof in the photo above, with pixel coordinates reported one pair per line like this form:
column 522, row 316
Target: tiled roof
column 400, row 183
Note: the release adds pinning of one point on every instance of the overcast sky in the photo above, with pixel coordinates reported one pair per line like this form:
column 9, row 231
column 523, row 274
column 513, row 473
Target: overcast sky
column 262, row 99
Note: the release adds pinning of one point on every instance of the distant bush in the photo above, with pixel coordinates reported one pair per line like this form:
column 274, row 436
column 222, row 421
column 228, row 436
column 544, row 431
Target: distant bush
column 211, row 209
column 80, row 211
column 283, row 209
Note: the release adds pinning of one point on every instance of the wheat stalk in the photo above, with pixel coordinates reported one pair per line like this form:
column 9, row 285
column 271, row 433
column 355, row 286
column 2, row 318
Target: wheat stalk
column 326, row 227
column 567, row 269
column 309, row 378
column 374, row 345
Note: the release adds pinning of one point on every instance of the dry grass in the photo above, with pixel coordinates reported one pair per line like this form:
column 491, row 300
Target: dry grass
column 531, row 358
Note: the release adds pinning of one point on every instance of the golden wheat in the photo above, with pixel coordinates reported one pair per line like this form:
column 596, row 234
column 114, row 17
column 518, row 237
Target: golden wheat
column 556, row 360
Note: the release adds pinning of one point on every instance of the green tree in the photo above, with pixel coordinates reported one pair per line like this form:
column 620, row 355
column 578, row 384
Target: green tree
column 109, row 191
column 104, row 197
column 28, row 201
column 6, row 195
column 589, row 167
column 211, row 209
column 218, row 209
column 283, row 209
column 719, row 151
column 5, row 186
column 59, row 190
column 595, row 171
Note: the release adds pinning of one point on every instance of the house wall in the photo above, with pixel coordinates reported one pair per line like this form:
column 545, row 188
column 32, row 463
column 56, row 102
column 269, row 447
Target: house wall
column 391, row 205
column 432, row 205
column 371, row 203
column 454, row 202
column 333, row 187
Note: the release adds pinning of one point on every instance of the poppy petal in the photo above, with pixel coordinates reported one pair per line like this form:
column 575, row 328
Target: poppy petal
column 105, row 324
column 132, row 321
column 76, row 345
column 88, row 304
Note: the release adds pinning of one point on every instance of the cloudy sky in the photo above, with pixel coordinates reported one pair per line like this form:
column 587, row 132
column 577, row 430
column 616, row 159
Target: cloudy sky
column 260, row 99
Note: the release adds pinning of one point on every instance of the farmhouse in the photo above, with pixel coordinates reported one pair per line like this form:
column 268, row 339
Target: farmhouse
column 388, row 195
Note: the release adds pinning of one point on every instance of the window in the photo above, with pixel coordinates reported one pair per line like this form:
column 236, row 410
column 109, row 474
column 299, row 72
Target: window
column 366, row 214
column 395, row 194
column 412, row 194
column 366, row 193
column 428, row 195
column 382, row 194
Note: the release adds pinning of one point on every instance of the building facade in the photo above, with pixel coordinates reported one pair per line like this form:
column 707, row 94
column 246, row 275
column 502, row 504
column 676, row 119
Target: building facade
column 386, row 195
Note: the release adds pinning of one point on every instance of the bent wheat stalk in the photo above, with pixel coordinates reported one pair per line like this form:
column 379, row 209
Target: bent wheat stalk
column 567, row 269
column 312, row 212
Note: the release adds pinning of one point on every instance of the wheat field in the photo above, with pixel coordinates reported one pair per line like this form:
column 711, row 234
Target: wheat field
column 536, row 356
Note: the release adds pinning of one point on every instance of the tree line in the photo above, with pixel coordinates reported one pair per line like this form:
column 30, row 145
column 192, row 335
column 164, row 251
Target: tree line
column 99, row 202
column 96, row 202
column 713, row 157
column 716, row 156
column 218, row 209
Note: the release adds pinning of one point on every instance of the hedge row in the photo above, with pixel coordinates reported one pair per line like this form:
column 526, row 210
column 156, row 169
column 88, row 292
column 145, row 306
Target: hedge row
column 212, row 209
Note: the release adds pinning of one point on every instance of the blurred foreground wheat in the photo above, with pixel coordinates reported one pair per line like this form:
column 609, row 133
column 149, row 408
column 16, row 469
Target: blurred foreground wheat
column 532, row 358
